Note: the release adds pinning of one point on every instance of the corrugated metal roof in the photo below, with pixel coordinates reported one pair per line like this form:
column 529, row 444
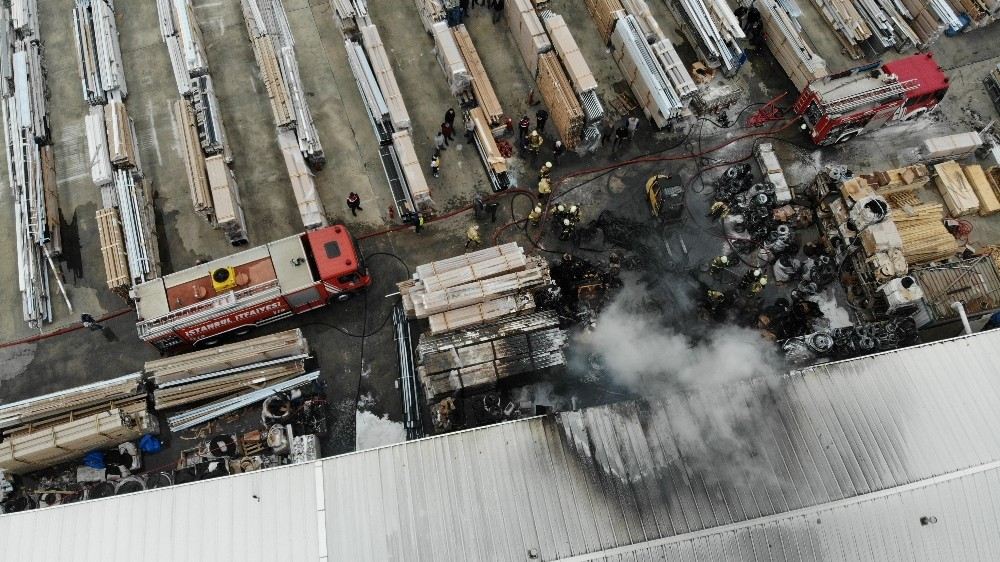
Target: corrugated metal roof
column 620, row 476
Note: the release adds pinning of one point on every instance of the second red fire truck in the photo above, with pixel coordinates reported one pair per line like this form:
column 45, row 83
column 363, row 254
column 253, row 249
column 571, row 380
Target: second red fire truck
column 233, row 295
column 841, row 106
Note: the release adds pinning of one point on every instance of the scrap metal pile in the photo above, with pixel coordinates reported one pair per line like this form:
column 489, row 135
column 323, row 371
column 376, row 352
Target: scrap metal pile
column 30, row 162
column 207, row 156
column 851, row 341
column 125, row 222
column 274, row 50
column 390, row 120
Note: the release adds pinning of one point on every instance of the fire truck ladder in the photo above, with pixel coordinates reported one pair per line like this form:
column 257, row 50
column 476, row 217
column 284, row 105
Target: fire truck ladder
column 845, row 104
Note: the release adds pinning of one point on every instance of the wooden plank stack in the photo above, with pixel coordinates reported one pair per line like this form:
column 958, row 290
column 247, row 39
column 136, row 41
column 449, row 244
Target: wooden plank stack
column 384, row 76
column 484, row 133
column 225, row 198
column 955, row 189
column 103, row 395
column 988, row 201
column 194, row 161
column 557, row 93
column 42, row 448
column 486, row 96
column 474, row 288
column 783, row 36
column 270, row 73
column 225, row 383
column 303, row 185
column 275, row 346
column 993, row 176
column 923, row 21
column 529, row 35
column 122, row 148
column 569, row 53
column 113, row 249
column 50, row 187
column 848, row 25
column 604, row 13
column 921, row 227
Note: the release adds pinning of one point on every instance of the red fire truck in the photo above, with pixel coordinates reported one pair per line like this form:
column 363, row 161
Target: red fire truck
column 231, row 296
column 841, row 106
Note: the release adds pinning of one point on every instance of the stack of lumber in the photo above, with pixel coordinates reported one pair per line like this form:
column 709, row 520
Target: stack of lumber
column 604, row 13
column 569, row 53
column 921, row 228
column 479, row 365
column 227, row 382
column 480, row 313
column 988, row 202
column 275, row 346
column 450, row 59
column 557, row 93
column 113, row 249
column 228, row 212
column 979, row 11
column 477, row 289
column 784, row 38
column 484, row 134
column 956, row 146
column 102, row 394
column 993, row 176
column 848, row 25
column 303, row 185
column 270, row 74
column 35, row 450
column 923, row 21
column 474, row 288
column 486, row 96
column 529, row 35
column 384, row 77
column 955, row 189
column 194, row 161
column 122, row 148
column 413, row 172
column 50, row 186
column 101, row 172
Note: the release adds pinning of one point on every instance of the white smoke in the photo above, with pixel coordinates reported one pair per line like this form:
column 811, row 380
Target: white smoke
column 708, row 386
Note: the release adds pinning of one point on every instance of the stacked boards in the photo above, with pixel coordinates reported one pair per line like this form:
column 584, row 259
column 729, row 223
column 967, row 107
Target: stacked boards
column 557, row 92
column 955, row 189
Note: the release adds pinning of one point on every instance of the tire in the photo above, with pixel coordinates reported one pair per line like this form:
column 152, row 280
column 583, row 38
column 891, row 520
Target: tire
column 210, row 342
column 244, row 330
column 338, row 297
column 847, row 137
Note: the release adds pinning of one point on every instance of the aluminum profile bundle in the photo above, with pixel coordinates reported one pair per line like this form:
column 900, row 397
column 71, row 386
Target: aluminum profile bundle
column 267, row 20
column 135, row 211
column 381, row 69
column 713, row 30
column 30, row 166
column 664, row 51
column 848, row 25
column 180, row 32
column 200, row 415
column 375, row 102
column 208, row 117
column 655, row 92
column 99, row 57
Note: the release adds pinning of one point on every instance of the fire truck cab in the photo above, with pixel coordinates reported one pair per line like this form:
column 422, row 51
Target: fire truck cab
column 232, row 295
column 839, row 107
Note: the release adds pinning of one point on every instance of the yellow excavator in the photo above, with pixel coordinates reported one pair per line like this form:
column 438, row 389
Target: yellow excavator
column 666, row 197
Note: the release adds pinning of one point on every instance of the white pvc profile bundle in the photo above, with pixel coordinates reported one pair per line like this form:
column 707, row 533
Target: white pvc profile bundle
column 136, row 226
column 24, row 17
column 666, row 55
column 714, row 30
column 181, row 34
column 198, row 416
column 98, row 51
column 656, row 94
column 450, row 59
column 303, row 185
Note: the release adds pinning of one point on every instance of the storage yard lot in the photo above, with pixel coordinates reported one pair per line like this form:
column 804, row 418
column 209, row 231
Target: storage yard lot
column 364, row 370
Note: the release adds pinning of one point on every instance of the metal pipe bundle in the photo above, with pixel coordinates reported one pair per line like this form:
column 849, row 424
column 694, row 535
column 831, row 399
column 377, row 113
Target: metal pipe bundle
column 266, row 20
column 198, row 416
column 100, row 57
column 407, row 374
column 29, row 164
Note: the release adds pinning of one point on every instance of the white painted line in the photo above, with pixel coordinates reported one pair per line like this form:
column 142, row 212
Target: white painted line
column 152, row 136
